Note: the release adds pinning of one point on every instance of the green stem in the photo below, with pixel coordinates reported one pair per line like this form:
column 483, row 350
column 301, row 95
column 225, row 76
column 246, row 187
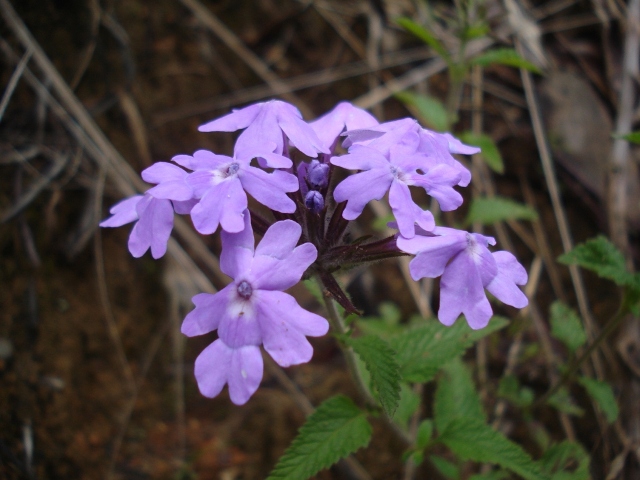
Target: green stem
column 573, row 367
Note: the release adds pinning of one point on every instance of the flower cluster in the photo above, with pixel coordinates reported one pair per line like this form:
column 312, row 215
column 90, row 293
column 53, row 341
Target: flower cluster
column 311, row 211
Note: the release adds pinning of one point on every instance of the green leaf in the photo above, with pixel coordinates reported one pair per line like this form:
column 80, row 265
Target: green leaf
column 456, row 396
column 336, row 429
column 603, row 395
column 472, row 439
column 314, row 289
column 633, row 137
column 510, row 389
column 490, row 210
column 425, row 431
column 495, row 475
column 429, row 109
column 566, row 326
column 489, row 153
column 602, row 257
column 380, row 223
column 384, row 325
column 409, row 403
column 424, row 35
column 380, row 361
column 562, row 401
column 504, row 56
column 422, row 351
column 566, row 461
column 445, row 467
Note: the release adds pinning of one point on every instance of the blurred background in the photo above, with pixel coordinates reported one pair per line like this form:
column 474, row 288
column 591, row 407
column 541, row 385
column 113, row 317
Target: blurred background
column 95, row 378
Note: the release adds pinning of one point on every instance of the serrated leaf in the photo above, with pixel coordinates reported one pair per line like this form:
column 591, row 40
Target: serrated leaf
column 380, row 361
column 504, row 56
column 489, row 151
column 425, row 431
column 603, row 395
column 429, row 109
column 602, row 257
column 566, row 461
column 423, row 350
column 562, row 401
column 566, row 326
column 633, row 137
column 490, row 210
column 336, row 429
column 456, row 396
column 409, row 403
column 472, row 439
column 424, row 35
column 445, row 467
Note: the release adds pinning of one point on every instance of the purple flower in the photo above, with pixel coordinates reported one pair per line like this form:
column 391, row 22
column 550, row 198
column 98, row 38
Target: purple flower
column 344, row 115
column 171, row 182
column 153, row 227
column 402, row 168
column 265, row 124
column 253, row 310
column 467, row 268
column 220, row 182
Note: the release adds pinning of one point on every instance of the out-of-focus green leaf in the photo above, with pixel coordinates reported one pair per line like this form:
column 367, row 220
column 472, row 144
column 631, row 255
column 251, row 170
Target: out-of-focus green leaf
column 633, row 137
column 445, row 467
column 602, row 393
column 566, row 326
column 489, row 153
column 425, row 431
column 504, row 56
column 429, row 109
column 562, row 401
column 424, row 35
column 490, row 210
column 409, row 403
column 510, row 389
column 566, row 461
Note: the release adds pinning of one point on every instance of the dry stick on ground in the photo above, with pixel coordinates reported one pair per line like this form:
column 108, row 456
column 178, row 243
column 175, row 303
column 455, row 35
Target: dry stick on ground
column 235, row 44
column 13, row 81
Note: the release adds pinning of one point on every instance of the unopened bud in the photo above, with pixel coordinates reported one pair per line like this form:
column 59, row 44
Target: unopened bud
column 314, row 201
column 318, row 174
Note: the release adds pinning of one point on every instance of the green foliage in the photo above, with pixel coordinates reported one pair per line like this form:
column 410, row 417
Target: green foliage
column 379, row 360
column 504, row 56
column 566, row 461
column 425, row 431
column 456, row 396
column 409, row 403
column 489, row 153
column 429, row 109
column 385, row 325
column 424, row 35
column 445, row 467
column 336, row 429
column 602, row 257
column 490, row 210
column 566, row 326
column 562, row 401
column 423, row 350
column 633, row 137
column 472, row 439
column 496, row 475
column 511, row 390
column 314, row 289
column 603, row 395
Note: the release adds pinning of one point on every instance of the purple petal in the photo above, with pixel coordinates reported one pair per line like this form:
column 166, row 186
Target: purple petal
column 237, row 250
column 456, row 146
column 223, row 204
column 280, row 239
column 504, row 285
column 284, row 325
column 406, row 212
column 263, row 134
column 123, row 212
column 433, row 253
column 171, row 181
column 270, row 273
column 153, row 229
column 361, row 188
column 209, row 310
column 438, row 182
column 461, row 291
column 301, row 135
column 219, row 364
column 361, row 158
column 233, row 121
column 202, row 160
column 239, row 325
column 184, row 208
column 344, row 115
column 270, row 189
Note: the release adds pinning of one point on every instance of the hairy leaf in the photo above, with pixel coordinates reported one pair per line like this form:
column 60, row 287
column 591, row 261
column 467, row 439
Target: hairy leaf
column 472, row 439
column 456, row 396
column 602, row 393
column 336, row 429
column 566, row 326
column 423, row 350
column 490, row 210
column 380, row 361
column 504, row 56
column 429, row 109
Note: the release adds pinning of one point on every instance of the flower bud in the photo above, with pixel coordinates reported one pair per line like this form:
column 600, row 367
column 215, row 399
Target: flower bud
column 318, row 174
column 314, row 201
